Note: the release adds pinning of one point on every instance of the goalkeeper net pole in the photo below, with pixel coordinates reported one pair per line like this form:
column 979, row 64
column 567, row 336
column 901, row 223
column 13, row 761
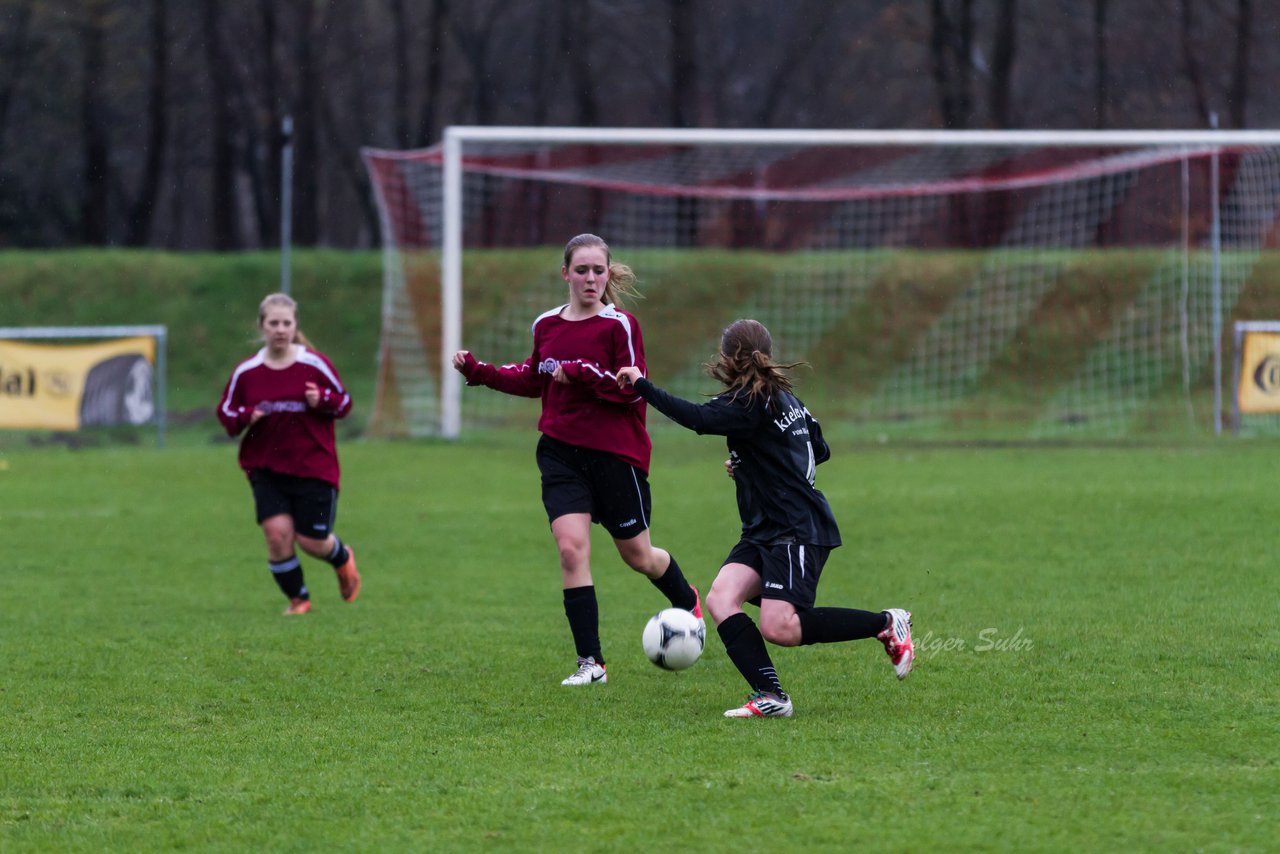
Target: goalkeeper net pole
column 943, row 284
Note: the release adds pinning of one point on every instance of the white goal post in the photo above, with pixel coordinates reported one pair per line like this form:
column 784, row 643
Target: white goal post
column 979, row 245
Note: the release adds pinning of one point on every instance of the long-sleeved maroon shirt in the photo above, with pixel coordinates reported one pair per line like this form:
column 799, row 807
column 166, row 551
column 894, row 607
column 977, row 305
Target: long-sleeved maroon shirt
column 589, row 411
column 292, row 438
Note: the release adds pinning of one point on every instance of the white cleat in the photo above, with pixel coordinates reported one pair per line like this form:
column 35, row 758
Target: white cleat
column 762, row 705
column 896, row 638
column 588, row 673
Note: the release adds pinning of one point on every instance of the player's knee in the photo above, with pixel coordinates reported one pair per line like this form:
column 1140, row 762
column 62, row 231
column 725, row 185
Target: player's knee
column 781, row 630
column 279, row 538
column 314, row 547
column 720, row 602
column 573, row 552
column 643, row 559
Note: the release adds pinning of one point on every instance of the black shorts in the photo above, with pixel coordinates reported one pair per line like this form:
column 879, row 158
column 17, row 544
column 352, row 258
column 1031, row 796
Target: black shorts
column 582, row 480
column 312, row 503
column 788, row 571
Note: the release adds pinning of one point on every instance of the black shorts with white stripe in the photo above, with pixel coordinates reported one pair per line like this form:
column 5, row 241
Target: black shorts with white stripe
column 584, row 480
column 788, row 571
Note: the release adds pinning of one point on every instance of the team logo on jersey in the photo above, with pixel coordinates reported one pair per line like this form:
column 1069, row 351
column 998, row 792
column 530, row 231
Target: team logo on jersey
column 270, row 406
column 791, row 416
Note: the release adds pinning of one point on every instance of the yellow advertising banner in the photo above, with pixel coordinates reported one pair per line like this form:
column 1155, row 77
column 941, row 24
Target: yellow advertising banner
column 1259, row 386
column 69, row 386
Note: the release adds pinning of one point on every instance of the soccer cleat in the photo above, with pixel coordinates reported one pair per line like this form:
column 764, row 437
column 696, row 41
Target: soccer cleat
column 896, row 638
column 297, row 606
column 762, row 705
column 696, row 610
column 348, row 577
column 588, row 673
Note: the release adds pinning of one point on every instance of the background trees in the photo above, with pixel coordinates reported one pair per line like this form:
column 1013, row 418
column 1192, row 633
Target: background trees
column 157, row 122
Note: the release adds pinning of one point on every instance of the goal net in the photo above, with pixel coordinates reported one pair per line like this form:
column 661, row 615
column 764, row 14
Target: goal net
column 953, row 285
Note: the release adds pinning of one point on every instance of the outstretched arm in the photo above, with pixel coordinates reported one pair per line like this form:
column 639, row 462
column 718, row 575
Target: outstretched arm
column 716, row 417
column 521, row 380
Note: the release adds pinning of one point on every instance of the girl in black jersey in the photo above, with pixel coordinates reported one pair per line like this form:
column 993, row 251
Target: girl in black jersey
column 788, row 530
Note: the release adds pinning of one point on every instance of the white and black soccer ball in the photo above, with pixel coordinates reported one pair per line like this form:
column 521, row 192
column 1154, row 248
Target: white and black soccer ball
column 673, row 638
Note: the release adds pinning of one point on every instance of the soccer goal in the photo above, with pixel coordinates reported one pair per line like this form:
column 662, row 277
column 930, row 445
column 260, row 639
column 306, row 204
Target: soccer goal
column 1017, row 285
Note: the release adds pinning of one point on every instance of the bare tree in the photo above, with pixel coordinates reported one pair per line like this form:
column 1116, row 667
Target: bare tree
column 96, row 152
column 16, row 47
column 479, row 45
column 682, row 24
column 312, row 27
column 400, row 71
column 576, row 24
column 814, row 19
column 1238, row 97
column 221, row 127
column 951, row 45
column 1192, row 66
column 684, row 101
column 142, row 211
column 1004, row 47
column 1100, row 63
column 437, row 22
column 175, row 140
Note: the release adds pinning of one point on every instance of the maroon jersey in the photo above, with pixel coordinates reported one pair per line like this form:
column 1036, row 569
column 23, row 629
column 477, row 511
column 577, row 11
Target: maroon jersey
column 292, row 438
column 589, row 411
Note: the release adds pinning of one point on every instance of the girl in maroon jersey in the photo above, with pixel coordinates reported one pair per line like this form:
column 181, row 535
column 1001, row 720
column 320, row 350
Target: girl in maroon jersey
column 594, row 450
column 287, row 396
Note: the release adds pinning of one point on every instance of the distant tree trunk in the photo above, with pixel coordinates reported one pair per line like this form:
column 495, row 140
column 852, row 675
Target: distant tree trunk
column 575, row 16
column 684, row 103
column 142, row 212
column 1239, row 97
column 15, row 53
column 306, row 115
column 428, row 125
column 1192, row 66
column 400, row 71
column 221, row 128
column 1005, row 44
column 791, row 60
column 684, row 63
column 951, row 45
column 350, row 166
column 575, row 25
column 268, row 196
column 541, row 45
column 1100, row 63
column 96, row 153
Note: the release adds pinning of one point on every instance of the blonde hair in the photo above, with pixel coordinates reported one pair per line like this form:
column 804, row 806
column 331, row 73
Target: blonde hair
column 622, row 280
column 284, row 301
column 745, row 362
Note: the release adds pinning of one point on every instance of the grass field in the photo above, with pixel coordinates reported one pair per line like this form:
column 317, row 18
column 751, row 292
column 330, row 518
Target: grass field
column 1096, row 631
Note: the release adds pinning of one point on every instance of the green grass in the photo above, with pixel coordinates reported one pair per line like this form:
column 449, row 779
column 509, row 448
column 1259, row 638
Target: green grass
column 209, row 302
column 153, row 698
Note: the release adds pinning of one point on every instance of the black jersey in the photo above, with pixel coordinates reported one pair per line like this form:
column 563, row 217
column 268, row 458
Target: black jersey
column 775, row 445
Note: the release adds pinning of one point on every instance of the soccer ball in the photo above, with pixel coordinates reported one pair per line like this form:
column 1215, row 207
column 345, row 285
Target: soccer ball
column 673, row 638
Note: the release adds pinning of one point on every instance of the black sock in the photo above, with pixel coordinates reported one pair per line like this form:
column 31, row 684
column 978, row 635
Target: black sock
column 745, row 645
column 584, row 621
column 673, row 585
column 833, row 625
column 339, row 555
column 288, row 574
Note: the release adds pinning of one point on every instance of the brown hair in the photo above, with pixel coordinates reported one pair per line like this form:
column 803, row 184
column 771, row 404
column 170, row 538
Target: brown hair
column 287, row 302
column 745, row 361
column 622, row 281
